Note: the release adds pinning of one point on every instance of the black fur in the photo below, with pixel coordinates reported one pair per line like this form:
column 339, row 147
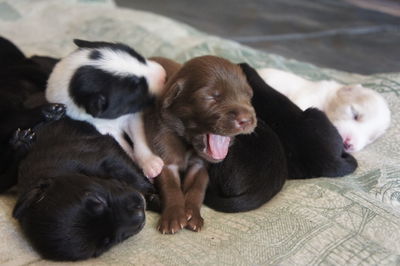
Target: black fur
column 9, row 54
column 45, row 63
column 105, row 95
column 253, row 172
column 113, row 46
column 287, row 143
column 22, row 118
column 312, row 144
column 95, row 55
column 22, row 84
column 79, row 192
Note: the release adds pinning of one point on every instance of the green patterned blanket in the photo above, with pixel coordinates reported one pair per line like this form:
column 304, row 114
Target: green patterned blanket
column 344, row 221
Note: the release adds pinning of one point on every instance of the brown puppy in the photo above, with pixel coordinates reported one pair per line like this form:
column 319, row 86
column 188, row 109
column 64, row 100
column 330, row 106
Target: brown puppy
column 205, row 104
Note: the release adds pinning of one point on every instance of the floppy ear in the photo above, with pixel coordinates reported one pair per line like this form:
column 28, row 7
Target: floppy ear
column 97, row 105
column 35, row 195
column 173, row 93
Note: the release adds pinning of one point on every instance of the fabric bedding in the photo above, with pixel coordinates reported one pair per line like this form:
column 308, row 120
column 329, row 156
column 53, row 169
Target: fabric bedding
column 350, row 220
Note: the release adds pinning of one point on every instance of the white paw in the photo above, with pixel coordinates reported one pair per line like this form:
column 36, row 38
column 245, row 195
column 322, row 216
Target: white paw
column 152, row 166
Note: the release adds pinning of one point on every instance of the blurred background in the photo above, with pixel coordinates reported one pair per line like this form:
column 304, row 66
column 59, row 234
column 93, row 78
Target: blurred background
column 360, row 36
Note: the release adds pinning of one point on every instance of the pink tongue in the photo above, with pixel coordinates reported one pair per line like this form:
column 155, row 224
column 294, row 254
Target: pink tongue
column 218, row 146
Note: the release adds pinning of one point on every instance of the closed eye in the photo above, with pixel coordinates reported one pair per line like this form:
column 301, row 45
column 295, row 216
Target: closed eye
column 214, row 96
column 356, row 115
column 210, row 98
column 134, row 207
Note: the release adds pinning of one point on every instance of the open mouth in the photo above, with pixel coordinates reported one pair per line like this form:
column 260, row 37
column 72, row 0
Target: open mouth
column 217, row 146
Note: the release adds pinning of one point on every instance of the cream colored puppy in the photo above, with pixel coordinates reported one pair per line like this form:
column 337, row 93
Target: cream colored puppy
column 361, row 115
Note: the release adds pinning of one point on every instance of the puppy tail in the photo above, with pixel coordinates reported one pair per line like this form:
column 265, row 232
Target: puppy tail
column 246, row 201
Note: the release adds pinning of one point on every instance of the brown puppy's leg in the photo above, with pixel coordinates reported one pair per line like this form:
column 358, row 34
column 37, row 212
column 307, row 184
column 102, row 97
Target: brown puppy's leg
column 173, row 216
column 194, row 188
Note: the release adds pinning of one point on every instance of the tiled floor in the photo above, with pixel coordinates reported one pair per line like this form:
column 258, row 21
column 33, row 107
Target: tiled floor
column 328, row 33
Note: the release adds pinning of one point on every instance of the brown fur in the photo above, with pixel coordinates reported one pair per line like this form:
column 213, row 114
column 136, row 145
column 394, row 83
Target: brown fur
column 206, row 95
column 171, row 67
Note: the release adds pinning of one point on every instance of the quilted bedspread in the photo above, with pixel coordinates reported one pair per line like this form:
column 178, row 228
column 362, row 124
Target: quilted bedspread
column 343, row 221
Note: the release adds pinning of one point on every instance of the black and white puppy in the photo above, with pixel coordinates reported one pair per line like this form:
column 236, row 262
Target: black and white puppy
column 79, row 192
column 107, row 85
column 287, row 143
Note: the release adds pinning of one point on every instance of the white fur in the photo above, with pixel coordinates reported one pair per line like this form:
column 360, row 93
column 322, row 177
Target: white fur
column 341, row 103
column 117, row 63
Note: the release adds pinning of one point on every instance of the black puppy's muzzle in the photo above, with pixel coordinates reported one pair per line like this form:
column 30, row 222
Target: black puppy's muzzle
column 132, row 226
column 126, row 232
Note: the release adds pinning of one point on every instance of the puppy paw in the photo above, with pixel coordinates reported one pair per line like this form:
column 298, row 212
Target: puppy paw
column 53, row 111
column 172, row 220
column 152, row 166
column 195, row 221
column 22, row 138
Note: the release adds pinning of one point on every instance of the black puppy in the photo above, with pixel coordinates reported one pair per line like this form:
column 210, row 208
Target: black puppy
column 312, row 144
column 79, row 193
column 255, row 170
column 22, row 103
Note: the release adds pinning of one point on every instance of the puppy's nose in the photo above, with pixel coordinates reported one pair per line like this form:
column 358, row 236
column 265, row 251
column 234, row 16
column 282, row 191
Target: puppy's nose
column 243, row 120
column 348, row 146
